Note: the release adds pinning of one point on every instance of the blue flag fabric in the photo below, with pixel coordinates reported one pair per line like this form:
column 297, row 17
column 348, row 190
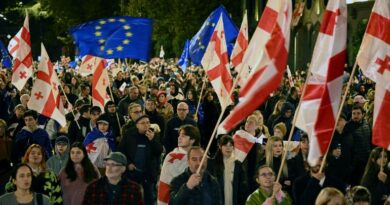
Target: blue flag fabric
column 5, row 59
column 116, row 37
column 184, row 60
column 201, row 39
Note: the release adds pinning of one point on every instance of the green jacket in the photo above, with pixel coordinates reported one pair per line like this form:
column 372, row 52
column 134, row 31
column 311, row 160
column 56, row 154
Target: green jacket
column 259, row 196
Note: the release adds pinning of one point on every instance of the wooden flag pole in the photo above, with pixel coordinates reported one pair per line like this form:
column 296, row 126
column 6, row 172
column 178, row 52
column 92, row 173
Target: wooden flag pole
column 339, row 112
column 200, row 96
column 217, row 124
column 67, row 100
column 116, row 112
column 292, row 129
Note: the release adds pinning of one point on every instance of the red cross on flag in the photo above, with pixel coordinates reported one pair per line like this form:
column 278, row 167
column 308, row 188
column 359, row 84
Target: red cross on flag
column 174, row 164
column 216, row 63
column 266, row 57
column 239, row 50
column 45, row 96
column 20, row 49
column 321, row 100
column 100, row 82
column 89, row 65
column 374, row 60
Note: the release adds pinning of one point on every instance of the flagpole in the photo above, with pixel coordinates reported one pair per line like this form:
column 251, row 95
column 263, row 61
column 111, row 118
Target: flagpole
column 339, row 112
column 200, row 96
column 235, row 82
column 292, row 128
column 67, row 100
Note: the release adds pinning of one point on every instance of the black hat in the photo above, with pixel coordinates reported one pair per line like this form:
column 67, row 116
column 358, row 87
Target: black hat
column 62, row 139
column 117, row 157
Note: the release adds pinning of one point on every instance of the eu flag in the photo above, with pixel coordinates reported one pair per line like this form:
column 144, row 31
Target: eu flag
column 184, row 60
column 117, row 37
column 201, row 39
column 5, row 60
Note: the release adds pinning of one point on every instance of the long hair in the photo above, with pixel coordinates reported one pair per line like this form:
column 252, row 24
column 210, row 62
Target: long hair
column 326, row 195
column 372, row 168
column 28, row 152
column 89, row 170
column 269, row 155
column 218, row 163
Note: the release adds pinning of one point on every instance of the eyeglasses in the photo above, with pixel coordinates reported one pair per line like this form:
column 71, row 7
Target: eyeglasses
column 269, row 174
column 112, row 165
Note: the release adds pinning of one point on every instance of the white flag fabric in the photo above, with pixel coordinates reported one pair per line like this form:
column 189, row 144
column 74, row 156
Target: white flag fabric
column 266, row 58
column 100, row 82
column 216, row 64
column 97, row 151
column 243, row 143
column 321, row 100
column 174, row 164
column 45, row 96
column 239, row 50
column 89, row 65
column 374, row 60
column 20, row 49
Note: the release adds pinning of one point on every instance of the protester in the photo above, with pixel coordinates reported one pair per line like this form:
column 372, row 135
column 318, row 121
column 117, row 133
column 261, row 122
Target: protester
column 30, row 134
column 375, row 176
column 358, row 195
column 21, row 178
column 100, row 142
column 77, row 174
column 330, row 196
column 176, row 161
column 269, row 191
column 142, row 148
column 230, row 174
column 132, row 97
column 44, row 181
column 58, row 160
column 79, row 129
column 113, row 188
column 194, row 188
column 164, row 108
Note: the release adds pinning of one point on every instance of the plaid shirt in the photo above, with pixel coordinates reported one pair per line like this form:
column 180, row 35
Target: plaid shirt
column 97, row 193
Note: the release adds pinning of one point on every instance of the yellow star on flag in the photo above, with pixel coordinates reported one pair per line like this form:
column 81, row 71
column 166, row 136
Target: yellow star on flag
column 98, row 33
column 119, row 48
column 102, row 21
column 111, row 20
column 126, row 41
column 129, row 34
column 101, row 40
column 126, row 27
column 102, row 48
column 98, row 27
column 122, row 20
column 109, row 51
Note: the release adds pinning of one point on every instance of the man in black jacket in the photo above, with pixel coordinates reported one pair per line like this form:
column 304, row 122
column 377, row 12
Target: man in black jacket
column 191, row 188
column 143, row 149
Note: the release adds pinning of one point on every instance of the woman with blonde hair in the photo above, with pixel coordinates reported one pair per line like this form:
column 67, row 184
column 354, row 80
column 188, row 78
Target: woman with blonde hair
column 273, row 158
column 262, row 127
column 330, row 196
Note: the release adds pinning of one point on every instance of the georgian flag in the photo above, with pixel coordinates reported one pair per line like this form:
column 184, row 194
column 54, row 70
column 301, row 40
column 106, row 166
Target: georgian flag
column 174, row 164
column 216, row 64
column 100, row 82
column 20, row 49
column 321, row 100
column 374, row 60
column 45, row 96
column 266, row 57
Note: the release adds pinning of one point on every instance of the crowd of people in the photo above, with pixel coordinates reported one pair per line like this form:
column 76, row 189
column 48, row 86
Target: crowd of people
column 121, row 154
